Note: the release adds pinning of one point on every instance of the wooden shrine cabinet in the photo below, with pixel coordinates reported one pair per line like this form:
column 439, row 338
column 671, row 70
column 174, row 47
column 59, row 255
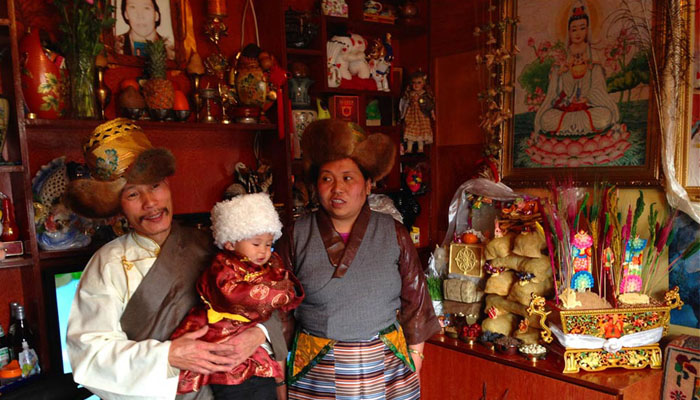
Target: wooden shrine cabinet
column 454, row 370
column 409, row 42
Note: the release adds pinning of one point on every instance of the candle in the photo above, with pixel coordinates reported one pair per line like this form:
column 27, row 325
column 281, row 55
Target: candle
column 216, row 7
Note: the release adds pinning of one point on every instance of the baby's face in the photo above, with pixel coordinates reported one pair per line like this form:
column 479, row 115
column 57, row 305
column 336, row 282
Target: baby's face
column 257, row 248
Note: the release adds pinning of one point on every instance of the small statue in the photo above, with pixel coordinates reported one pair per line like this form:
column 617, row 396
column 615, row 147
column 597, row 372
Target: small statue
column 417, row 108
column 407, row 205
column 250, row 181
column 299, row 85
column 380, row 56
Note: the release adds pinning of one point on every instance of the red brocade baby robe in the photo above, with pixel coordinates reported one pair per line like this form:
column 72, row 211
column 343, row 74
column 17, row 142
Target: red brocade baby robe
column 238, row 294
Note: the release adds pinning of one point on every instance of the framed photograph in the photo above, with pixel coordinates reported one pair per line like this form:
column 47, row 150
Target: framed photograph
column 581, row 100
column 688, row 148
column 139, row 21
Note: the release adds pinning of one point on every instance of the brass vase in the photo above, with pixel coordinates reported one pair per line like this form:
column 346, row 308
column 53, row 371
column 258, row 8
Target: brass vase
column 104, row 94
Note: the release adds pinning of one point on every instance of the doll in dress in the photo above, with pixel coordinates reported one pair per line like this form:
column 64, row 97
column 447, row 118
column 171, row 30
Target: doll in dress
column 243, row 286
column 417, row 108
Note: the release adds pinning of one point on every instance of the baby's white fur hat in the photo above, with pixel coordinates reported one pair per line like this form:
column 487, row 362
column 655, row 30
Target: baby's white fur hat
column 243, row 217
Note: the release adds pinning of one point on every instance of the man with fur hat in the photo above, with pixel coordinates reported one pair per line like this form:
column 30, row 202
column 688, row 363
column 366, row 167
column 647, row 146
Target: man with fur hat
column 137, row 288
column 357, row 267
column 245, row 283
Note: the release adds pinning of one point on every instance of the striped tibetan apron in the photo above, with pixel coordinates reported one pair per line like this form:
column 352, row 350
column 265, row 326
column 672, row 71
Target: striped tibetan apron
column 379, row 368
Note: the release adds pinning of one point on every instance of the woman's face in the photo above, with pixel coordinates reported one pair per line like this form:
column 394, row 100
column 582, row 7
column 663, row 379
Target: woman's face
column 578, row 30
column 142, row 17
column 342, row 190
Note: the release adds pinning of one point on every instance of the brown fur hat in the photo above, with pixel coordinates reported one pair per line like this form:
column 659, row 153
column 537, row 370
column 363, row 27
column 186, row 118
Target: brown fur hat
column 117, row 153
column 330, row 140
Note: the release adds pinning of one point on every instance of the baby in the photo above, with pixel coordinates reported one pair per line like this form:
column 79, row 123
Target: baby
column 244, row 285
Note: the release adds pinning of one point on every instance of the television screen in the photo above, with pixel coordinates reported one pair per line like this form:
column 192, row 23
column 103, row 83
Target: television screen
column 66, row 285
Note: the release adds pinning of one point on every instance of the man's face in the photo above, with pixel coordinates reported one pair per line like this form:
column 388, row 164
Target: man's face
column 149, row 209
column 142, row 17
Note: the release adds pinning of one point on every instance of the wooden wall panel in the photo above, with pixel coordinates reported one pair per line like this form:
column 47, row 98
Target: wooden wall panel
column 205, row 162
column 11, row 289
column 456, row 90
column 452, row 24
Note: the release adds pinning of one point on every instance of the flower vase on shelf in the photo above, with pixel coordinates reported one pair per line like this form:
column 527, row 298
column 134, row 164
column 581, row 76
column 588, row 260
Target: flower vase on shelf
column 82, row 77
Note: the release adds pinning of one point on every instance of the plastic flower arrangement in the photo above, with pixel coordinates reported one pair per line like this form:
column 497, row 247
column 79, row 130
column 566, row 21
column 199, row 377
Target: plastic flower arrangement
column 594, row 246
column 82, row 23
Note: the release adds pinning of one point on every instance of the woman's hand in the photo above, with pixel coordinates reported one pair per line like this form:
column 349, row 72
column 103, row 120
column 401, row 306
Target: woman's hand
column 416, row 352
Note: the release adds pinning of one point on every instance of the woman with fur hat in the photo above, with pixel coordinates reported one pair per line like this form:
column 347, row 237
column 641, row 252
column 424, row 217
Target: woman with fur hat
column 245, row 283
column 366, row 300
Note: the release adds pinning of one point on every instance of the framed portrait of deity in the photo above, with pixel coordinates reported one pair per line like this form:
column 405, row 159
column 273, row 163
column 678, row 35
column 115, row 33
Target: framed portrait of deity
column 141, row 21
column 582, row 103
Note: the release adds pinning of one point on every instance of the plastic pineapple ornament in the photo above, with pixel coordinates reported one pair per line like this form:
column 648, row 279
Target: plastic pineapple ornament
column 158, row 90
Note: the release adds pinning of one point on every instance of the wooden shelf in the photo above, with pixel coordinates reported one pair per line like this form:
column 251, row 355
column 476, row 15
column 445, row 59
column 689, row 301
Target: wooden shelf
column 398, row 30
column 356, row 92
column 11, row 168
column 414, row 157
column 24, row 260
column 4, row 22
column 77, row 125
column 304, row 52
column 82, row 252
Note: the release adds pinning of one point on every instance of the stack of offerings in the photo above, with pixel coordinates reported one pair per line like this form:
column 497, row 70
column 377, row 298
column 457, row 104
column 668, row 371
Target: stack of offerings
column 517, row 270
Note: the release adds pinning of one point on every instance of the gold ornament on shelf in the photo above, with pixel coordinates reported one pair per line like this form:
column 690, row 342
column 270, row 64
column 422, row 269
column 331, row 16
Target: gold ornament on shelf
column 104, row 94
column 195, row 69
column 467, row 259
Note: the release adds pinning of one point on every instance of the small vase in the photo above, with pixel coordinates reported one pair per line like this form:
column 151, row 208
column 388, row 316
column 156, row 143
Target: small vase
column 10, row 231
column 43, row 81
column 82, row 95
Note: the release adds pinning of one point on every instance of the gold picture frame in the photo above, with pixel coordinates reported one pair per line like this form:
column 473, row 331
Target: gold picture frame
column 525, row 161
column 688, row 132
column 467, row 259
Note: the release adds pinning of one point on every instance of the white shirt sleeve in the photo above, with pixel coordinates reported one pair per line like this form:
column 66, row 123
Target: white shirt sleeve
column 266, row 346
column 102, row 357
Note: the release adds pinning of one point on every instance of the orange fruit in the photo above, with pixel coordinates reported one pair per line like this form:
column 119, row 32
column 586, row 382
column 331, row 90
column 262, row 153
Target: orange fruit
column 180, row 101
column 129, row 82
column 470, row 238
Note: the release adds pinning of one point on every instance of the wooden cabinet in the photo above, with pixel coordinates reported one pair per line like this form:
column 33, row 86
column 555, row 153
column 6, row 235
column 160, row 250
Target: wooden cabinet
column 411, row 52
column 455, row 370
